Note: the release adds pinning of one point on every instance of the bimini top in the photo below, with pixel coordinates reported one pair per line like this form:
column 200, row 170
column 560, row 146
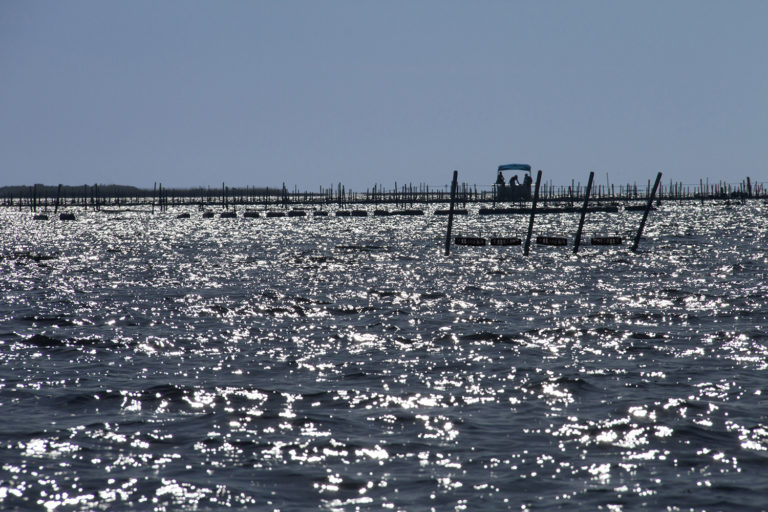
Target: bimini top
column 515, row 167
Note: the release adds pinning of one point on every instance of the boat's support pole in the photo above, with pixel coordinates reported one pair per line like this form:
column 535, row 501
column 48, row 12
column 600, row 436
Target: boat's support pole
column 533, row 213
column 577, row 241
column 645, row 213
column 454, row 184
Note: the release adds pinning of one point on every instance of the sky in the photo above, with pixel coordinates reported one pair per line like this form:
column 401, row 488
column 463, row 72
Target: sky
column 308, row 93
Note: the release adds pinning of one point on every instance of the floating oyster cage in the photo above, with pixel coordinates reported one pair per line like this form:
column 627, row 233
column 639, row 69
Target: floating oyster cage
column 551, row 240
column 606, row 240
column 506, row 240
column 558, row 241
column 474, row 241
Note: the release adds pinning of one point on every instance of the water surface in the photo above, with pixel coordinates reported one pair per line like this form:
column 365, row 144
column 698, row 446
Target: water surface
column 149, row 362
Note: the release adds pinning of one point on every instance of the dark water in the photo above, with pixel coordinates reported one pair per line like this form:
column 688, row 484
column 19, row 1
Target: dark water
column 344, row 363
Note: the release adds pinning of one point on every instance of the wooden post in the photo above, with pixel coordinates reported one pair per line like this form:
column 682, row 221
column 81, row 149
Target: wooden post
column 454, row 184
column 749, row 187
column 58, row 197
column 577, row 241
column 533, row 213
column 154, row 192
column 645, row 213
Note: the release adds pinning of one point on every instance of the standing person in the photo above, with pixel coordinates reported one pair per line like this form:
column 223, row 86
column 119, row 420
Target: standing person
column 527, row 187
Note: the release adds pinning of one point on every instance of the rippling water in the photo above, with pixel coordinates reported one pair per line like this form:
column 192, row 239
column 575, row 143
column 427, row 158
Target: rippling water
column 345, row 363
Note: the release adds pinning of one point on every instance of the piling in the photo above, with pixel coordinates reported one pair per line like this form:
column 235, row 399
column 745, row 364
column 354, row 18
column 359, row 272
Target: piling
column 533, row 213
column 577, row 240
column 58, row 197
column 454, row 185
column 645, row 213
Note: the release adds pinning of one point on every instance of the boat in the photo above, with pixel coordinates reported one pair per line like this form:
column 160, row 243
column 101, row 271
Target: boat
column 514, row 190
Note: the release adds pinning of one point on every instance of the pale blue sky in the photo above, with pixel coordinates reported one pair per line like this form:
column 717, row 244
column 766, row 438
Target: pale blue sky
column 312, row 93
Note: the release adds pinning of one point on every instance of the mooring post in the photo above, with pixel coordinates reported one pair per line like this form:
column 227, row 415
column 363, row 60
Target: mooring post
column 58, row 197
column 154, row 192
column 749, row 187
column 577, row 241
column 454, row 184
column 533, row 213
column 645, row 213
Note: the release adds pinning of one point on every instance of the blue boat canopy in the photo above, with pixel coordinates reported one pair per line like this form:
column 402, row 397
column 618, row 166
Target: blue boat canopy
column 515, row 167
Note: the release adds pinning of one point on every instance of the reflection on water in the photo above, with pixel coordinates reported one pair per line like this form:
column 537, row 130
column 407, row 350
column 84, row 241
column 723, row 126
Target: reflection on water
column 342, row 363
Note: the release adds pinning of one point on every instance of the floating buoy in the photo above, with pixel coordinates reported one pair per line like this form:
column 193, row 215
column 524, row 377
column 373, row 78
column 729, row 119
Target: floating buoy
column 511, row 240
column 469, row 240
column 380, row 213
column 207, row 215
column 456, row 211
column 182, row 216
column 606, row 240
column 228, row 215
column 551, row 240
column 275, row 214
column 359, row 213
column 408, row 212
column 343, row 213
column 320, row 213
column 40, row 216
column 251, row 215
column 297, row 213
column 67, row 216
